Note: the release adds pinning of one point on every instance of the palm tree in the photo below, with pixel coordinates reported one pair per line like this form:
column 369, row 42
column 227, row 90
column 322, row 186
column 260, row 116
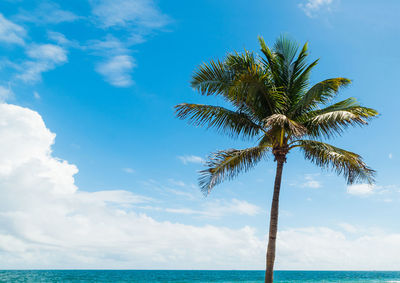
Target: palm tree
column 274, row 104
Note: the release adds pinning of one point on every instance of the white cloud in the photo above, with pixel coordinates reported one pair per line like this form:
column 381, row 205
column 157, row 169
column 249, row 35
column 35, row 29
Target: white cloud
column 116, row 70
column 48, row 223
column 36, row 95
column 348, row 227
column 361, row 189
column 177, row 182
column 311, row 182
column 117, row 64
column 125, row 13
column 323, row 248
column 390, row 156
column 61, row 40
column 11, row 32
column 186, row 159
column 128, row 170
column 47, row 52
column 311, row 7
column 220, row 208
column 136, row 19
column 5, row 93
column 47, row 13
column 45, row 58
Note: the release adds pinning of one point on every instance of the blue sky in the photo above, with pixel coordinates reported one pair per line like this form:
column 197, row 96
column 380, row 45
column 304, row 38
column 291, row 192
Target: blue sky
column 104, row 77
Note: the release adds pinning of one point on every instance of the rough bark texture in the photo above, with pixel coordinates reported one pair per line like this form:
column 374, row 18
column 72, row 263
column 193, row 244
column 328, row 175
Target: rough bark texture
column 273, row 224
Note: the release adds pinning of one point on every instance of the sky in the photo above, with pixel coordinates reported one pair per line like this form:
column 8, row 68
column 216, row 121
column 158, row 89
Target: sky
column 96, row 171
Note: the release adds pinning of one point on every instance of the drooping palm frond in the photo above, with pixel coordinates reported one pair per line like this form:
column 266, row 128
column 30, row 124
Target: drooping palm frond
column 233, row 123
column 334, row 119
column 227, row 164
column 320, row 93
column 343, row 162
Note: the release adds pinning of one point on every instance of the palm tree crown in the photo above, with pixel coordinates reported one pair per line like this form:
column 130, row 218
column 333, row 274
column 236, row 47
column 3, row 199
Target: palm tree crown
column 274, row 102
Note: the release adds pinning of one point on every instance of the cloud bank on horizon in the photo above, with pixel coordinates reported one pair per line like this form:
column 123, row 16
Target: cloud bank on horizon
column 47, row 222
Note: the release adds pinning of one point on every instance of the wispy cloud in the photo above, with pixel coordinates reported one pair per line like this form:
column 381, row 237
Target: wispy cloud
column 177, row 182
column 36, row 95
column 186, row 159
column 220, row 208
column 117, row 64
column 311, row 182
column 136, row 19
column 390, row 155
column 117, row 70
column 44, row 57
column 5, row 93
column 11, row 32
column 312, row 7
column 128, row 170
column 47, row 13
column 62, row 40
column 139, row 14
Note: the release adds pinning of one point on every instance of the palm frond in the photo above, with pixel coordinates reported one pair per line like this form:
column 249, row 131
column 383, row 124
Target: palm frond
column 227, row 164
column 320, row 93
column 333, row 120
column 233, row 123
column 212, row 78
column 343, row 162
column 301, row 81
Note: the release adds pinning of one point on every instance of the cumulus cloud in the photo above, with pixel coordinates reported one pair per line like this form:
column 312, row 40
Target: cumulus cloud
column 48, row 223
column 11, row 32
column 186, row 159
column 311, row 7
column 124, row 13
column 44, row 57
column 328, row 249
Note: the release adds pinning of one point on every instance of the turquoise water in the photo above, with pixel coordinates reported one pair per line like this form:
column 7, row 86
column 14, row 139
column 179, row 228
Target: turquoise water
column 153, row 276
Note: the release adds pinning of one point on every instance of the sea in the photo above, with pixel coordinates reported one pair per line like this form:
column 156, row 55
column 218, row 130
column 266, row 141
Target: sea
column 153, row 276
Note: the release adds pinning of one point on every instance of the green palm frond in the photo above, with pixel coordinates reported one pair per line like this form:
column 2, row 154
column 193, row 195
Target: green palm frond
column 301, row 81
column 343, row 162
column 212, row 78
column 334, row 119
column 227, row 164
column 239, row 63
column 235, row 124
column 320, row 93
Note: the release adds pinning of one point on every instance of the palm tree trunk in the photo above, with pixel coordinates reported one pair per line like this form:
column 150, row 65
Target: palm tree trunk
column 273, row 223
